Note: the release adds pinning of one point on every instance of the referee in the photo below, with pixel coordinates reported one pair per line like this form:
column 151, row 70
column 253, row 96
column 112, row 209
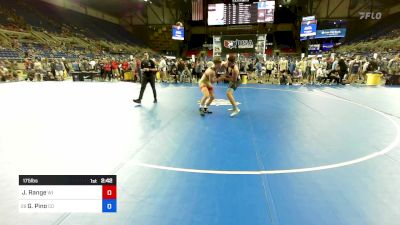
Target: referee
column 148, row 75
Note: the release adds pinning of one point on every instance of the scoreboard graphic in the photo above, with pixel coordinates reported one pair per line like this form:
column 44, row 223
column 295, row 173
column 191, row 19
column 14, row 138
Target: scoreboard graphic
column 67, row 193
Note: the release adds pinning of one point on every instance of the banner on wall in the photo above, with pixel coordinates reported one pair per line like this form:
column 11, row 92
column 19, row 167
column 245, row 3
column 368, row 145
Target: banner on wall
column 331, row 33
column 238, row 43
column 217, row 49
column 314, row 47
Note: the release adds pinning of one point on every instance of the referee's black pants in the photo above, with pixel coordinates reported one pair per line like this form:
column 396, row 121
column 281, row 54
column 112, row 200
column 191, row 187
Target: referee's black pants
column 148, row 79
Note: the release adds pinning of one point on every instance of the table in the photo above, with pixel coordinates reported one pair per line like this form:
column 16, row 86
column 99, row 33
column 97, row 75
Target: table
column 82, row 75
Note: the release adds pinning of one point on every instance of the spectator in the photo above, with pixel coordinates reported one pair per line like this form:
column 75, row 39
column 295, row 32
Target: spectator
column 298, row 76
column 283, row 66
column 85, row 65
column 181, row 68
column 292, row 66
column 59, row 70
column 259, row 70
column 355, row 69
column 14, row 70
column 198, row 69
column 107, row 70
column 342, row 69
column 314, row 67
column 92, row 64
column 38, row 68
column 134, row 69
column 320, row 75
column 308, row 69
column 125, row 69
column 47, row 69
column 163, row 69
column 383, row 65
column 394, row 70
column 115, row 69
column 4, row 73
column 66, row 66
column 269, row 68
column 138, row 69
column 76, row 66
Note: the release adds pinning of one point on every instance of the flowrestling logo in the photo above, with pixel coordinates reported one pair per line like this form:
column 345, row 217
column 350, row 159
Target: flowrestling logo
column 238, row 44
column 370, row 15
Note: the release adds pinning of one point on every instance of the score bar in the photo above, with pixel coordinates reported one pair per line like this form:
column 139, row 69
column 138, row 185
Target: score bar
column 68, row 193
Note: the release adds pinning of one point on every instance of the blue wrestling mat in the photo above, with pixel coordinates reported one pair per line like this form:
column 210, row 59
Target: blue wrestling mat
column 293, row 156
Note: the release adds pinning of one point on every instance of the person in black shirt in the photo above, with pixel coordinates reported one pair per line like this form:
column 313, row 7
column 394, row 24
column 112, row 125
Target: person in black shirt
column 149, row 70
column 342, row 69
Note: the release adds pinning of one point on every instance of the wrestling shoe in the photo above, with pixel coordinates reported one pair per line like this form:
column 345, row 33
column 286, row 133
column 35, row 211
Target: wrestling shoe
column 235, row 112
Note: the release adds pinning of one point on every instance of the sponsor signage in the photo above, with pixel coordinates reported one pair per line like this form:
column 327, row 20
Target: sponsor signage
column 238, row 43
column 315, row 47
column 327, row 46
column 331, row 33
column 178, row 33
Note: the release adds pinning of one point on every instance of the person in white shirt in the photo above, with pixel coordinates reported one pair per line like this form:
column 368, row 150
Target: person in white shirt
column 314, row 66
column 4, row 75
column 270, row 64
column 324, row 64
column 162, row 66
column 37, row 66
column 320, row 75
column 283, row 65
column 364, row 71
column 92, row 64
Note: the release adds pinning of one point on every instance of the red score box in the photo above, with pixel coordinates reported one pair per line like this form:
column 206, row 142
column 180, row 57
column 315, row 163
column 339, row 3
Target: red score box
column 109, row 191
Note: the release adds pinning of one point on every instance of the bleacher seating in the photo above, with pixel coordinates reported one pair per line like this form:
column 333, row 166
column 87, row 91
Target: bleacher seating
column 9, row 54
column 42, row 15
column 379, row 30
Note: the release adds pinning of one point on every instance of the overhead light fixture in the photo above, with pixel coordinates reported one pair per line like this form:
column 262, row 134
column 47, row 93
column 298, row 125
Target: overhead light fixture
column 280, row 6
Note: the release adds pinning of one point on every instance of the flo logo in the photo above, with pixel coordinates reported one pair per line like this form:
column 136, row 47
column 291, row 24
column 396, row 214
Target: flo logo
column 229, row 44
column 221, row 102
column 370, row 15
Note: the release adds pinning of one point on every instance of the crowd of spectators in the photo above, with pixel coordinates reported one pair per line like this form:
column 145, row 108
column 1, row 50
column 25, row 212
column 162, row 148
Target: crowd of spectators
column 59, row 60
column 342, row 69
column 312, row 70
